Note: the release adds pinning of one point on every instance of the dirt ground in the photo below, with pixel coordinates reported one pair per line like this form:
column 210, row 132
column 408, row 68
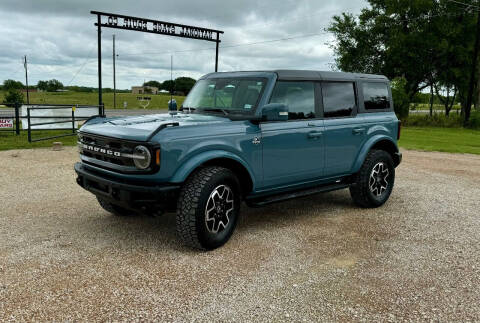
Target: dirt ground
column 318, row 258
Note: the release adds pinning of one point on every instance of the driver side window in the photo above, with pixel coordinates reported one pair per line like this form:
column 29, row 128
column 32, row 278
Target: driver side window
column 299, row 97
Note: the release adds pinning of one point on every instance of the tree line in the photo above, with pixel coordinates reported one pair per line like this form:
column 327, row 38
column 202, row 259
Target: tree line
column 13, row 88
column 181, row 85
column 422, row 45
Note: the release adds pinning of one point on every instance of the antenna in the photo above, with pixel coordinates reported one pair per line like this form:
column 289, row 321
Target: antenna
column 114, row 77
column 171, row 78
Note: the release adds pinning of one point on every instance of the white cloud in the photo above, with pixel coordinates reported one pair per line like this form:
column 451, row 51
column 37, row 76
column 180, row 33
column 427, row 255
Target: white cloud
column 60, row 39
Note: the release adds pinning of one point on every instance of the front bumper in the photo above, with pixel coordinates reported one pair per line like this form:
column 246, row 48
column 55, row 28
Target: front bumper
column 132, row 196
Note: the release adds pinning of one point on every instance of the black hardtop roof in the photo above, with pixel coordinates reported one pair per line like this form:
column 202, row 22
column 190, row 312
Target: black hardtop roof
column 324, row 75
column 303, row 75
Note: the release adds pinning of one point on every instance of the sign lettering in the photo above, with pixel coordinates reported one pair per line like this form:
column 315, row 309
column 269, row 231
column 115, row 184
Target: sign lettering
column 158, row 27
column 6, row 123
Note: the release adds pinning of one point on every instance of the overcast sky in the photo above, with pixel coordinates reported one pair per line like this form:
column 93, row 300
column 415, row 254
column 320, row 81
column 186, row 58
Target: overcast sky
column 60, row 39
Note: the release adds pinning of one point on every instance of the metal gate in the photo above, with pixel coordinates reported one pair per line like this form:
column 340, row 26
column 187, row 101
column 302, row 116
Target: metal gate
column 68, row 123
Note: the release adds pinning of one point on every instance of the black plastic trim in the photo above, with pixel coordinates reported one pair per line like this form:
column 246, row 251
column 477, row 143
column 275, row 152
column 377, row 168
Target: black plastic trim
column 123, row 193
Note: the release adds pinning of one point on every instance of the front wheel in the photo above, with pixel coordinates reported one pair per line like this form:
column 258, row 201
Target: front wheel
column 208, row 208
column 373, row 184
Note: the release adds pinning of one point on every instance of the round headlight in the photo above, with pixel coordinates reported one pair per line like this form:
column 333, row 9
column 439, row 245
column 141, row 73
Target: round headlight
column 142, row 157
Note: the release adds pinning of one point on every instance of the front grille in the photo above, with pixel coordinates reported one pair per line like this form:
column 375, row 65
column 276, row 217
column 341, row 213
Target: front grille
column 106, row 152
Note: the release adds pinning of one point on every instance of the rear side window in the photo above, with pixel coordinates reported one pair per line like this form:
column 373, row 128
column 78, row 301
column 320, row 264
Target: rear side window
column 299, row 97
column 376, row 96
column 338, row 99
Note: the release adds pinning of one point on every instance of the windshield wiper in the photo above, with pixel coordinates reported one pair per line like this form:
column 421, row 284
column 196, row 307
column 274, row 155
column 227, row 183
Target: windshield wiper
column 216, row 110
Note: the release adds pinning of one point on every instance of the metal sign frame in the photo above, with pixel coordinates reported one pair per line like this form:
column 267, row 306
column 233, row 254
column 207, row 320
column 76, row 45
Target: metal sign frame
column 150, row 26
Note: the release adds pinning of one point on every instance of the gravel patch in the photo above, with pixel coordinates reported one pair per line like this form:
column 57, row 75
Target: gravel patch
column 318, row 258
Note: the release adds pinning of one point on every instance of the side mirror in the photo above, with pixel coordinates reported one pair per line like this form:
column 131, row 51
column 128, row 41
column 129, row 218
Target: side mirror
column 275, row 112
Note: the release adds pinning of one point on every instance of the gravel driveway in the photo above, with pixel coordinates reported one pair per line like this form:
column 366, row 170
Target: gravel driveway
column 315, row 259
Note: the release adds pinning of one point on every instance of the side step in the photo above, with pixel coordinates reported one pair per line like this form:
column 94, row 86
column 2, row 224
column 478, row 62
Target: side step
column 262, row 201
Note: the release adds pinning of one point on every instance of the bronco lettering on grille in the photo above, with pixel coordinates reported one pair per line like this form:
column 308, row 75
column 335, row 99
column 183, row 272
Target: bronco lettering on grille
column 101, row 150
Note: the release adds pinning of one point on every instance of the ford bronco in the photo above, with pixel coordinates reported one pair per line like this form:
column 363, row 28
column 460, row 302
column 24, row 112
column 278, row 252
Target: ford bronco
column 257, row 137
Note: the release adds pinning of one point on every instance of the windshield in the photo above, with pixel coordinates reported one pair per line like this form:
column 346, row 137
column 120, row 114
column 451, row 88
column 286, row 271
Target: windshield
column 226, row 95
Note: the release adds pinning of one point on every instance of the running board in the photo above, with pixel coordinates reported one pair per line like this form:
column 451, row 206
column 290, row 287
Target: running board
column 262, row 201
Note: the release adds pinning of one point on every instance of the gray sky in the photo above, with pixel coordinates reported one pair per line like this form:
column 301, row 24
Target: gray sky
column 60, row 41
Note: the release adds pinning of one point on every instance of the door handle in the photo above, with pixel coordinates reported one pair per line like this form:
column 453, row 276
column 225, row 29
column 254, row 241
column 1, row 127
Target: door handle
column 315, row 134
column 358, row 131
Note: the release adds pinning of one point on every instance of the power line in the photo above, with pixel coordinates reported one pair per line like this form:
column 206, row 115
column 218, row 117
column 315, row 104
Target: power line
column 428, row 17
column 234, row 45
column 14, row 73
column 84, row 63
column 282, row 39
column 296, row 18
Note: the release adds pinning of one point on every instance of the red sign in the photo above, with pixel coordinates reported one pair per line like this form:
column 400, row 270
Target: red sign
column 6, row 123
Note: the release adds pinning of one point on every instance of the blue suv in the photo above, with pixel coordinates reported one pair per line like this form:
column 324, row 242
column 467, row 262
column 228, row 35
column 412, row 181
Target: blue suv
column 257, row 137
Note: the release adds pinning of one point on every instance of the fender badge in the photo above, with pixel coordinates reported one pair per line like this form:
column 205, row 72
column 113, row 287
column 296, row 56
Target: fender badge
column 256, row 141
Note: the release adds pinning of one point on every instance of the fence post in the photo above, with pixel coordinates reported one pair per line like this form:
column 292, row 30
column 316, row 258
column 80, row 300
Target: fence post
column 73, row 117
column 17, row 119
column 29, row 127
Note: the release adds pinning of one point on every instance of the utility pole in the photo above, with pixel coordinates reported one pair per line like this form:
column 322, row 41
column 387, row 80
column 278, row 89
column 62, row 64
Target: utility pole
column 26, row 77
column 99, row 42
column 114, row 80
column 474, row 71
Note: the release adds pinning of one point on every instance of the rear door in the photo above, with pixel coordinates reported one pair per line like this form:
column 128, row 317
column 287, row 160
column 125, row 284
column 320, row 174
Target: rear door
column 293, row 149
column 345, row 131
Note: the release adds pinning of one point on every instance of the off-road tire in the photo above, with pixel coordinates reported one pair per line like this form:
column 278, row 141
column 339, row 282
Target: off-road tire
column 360, row 190
column 191, row 207
column 113, row 209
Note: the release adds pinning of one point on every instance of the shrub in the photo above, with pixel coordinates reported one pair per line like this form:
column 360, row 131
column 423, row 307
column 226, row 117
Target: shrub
column 13, row 96
column 474, row 122
column 436, row 120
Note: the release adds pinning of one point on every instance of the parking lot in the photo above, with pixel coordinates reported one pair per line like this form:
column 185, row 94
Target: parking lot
column 317, row 258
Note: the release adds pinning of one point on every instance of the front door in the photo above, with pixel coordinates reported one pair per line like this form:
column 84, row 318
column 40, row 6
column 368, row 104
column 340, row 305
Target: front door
column 293, row 150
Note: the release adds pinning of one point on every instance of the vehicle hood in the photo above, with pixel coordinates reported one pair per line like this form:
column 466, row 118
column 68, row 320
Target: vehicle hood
column 140, row 128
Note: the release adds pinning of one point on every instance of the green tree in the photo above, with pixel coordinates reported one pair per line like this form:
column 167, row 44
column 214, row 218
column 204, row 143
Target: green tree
column 423, row 41
column 168, row 86
column 12, row 85
column 13, row 96
column 184, row 84
column 54, row 85
column 401, row 101
column 42, row 85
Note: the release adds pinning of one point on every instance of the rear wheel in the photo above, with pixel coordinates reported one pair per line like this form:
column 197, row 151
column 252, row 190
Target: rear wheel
column 112, row 208
column 208, row 208
column 373, row 184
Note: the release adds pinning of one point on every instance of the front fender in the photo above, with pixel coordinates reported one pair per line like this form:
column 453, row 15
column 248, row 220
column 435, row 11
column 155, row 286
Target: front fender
column 367, row 147
column 188, row 167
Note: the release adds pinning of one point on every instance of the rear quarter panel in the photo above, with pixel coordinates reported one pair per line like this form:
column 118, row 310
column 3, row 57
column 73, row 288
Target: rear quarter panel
column 379, row 126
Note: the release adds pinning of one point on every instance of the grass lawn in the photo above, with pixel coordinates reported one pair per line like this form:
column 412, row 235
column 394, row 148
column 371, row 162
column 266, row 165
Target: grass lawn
column 452, row 140
column 8, row 140
column 159, row 101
